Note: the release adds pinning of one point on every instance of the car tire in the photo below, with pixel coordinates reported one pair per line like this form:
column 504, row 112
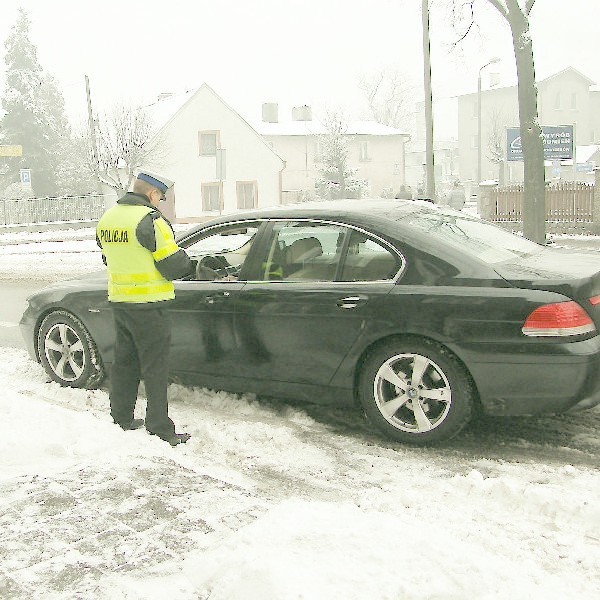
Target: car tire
column 416, row 391
column 67, row 351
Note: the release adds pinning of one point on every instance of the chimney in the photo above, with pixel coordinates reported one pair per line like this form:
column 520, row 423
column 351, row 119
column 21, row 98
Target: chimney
column 269, row 112
column 302, row 113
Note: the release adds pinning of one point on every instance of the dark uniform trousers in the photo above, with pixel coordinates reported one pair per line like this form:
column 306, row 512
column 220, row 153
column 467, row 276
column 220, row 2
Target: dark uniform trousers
column 143, row 339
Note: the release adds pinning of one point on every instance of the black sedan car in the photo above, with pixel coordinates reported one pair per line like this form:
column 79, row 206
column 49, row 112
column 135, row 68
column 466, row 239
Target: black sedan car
column 421, row 315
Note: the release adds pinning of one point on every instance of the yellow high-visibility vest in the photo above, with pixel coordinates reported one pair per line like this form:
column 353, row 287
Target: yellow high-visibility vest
column 132, row 274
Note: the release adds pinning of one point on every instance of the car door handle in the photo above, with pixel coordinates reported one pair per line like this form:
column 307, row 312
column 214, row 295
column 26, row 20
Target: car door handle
column 351, row 301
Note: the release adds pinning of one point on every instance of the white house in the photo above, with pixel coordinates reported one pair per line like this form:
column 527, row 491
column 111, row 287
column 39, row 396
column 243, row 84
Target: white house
column 564, row 98
column 375, row 150
column 218, row 161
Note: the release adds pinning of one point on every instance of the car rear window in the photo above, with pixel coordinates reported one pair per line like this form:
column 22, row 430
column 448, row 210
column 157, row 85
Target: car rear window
column 484, row 240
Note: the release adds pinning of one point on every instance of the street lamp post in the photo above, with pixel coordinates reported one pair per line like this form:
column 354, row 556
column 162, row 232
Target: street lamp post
column 491, row 62
column 429, row 175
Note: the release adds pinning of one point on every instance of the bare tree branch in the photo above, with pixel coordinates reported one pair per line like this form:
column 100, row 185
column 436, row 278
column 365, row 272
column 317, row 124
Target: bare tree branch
column 388, row 95
column 528, row 6
column 123, row 138
column 457, row 18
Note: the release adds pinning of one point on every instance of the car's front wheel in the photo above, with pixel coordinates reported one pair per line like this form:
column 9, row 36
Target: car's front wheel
column 416, row 391
column 67, row 351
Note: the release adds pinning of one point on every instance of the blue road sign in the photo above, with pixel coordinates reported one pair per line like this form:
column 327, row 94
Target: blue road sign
column 25, row 175
column 557, row 142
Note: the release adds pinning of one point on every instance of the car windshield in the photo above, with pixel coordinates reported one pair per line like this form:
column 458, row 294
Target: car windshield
column 483, row 240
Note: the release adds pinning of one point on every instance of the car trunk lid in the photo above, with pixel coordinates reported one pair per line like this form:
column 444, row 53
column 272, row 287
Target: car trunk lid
column 575, row 275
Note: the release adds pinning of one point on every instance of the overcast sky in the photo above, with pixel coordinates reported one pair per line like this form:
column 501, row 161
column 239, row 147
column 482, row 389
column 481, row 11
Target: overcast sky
column 292, row 52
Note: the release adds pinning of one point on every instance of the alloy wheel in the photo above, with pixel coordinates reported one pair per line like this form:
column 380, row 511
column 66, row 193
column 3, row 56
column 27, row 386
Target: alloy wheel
column 412, row 393
column 64, row 351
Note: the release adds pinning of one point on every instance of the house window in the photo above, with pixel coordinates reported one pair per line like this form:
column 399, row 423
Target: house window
column 364, row 151
column 212, row 195
column 573, row 101
column 247, row 194
column 208, row 142
column 557, row 101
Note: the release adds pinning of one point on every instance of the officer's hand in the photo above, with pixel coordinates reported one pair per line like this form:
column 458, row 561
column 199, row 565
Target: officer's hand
column 204, row 273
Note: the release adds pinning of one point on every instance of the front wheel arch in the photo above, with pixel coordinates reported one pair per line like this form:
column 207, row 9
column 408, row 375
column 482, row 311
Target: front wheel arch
column 444, row 373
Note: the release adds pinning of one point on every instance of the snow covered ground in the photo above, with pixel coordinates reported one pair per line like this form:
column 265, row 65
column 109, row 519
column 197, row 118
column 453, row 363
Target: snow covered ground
column 273, row 501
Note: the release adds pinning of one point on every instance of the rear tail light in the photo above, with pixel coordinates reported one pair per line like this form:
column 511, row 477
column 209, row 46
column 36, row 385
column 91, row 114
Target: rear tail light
column 560, row 319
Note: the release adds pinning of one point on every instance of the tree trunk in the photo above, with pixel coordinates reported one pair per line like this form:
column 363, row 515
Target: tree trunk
column 534, row 203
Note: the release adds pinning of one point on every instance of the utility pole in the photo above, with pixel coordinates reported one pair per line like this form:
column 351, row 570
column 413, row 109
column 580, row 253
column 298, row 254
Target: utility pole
column 429, row 165
column 479, row 175
column 93, row 140
column 91, row 124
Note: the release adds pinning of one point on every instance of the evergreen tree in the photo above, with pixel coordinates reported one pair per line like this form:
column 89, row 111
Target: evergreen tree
column 34, row 118
column 337, row 179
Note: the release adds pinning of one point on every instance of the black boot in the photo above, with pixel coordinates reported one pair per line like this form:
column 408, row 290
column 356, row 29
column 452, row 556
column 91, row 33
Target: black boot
column 178, row 438
column 130, row 425
column 173, row 438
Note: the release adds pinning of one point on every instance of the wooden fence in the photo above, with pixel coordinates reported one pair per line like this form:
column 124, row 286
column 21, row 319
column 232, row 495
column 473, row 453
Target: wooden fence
column 568, row 202
column 51, row 210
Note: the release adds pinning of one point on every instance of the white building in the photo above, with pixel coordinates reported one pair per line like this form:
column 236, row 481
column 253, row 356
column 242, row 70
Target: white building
column 375, row 150
column 218, row 161
column 565, row 98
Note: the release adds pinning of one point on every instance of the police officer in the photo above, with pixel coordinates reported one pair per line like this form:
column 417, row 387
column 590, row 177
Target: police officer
column 139, row 249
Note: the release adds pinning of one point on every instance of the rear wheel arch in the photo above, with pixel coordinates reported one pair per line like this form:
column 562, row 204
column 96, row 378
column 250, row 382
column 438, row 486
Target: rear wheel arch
column 401, row 338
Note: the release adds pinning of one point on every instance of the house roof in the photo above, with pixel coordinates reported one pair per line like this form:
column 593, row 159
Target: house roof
column 585, row 153
column 590, row 82
column 292, row 128
column 538, row 81
column 164, row 109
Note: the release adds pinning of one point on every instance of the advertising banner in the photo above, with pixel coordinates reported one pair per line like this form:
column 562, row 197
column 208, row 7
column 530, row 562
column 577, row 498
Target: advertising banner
column 557, row 142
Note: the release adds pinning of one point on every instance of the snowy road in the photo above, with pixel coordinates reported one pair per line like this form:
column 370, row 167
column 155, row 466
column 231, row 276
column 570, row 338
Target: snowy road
column 270, row 501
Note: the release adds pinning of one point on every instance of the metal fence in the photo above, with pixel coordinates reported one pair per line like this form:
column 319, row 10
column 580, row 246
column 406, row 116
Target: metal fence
column 567, row 202
column 52, row 210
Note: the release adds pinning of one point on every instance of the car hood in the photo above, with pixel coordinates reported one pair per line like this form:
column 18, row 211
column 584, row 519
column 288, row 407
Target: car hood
column 95, row 277
column 95, row 280
column 574, row 274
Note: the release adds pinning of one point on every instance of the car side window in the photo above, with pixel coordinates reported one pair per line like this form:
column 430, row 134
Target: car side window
column 367, row 259
column 301, row 251
column 224, row 250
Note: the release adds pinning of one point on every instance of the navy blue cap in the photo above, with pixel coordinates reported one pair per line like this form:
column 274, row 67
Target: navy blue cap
column 157, row 181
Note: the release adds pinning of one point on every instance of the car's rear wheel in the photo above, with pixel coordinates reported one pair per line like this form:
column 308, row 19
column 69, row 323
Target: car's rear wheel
column 416, row 391
column 68, row 352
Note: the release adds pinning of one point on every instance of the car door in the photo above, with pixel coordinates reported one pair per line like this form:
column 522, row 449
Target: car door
column 203, row 313
column 313, row 296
